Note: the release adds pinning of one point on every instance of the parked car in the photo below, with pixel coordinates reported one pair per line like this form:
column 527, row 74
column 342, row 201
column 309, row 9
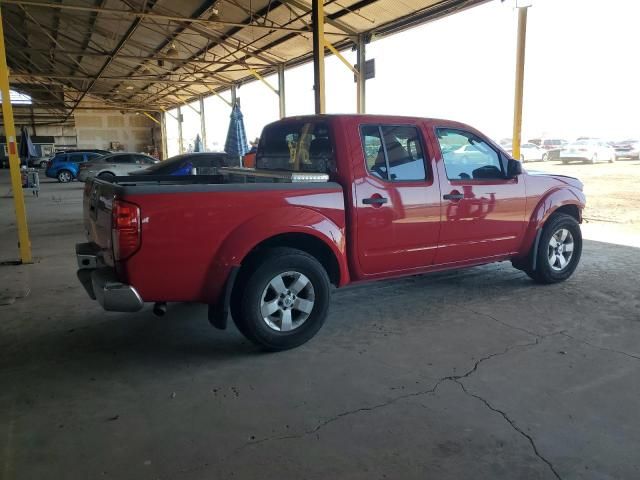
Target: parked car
column 115, row 164
column 627, row 149
column 553, row 143
column 588, row 151
column 333, row 200
column 38, row 162
column 87, row 150
column 199, row 163
column 65, row 166
column 529, row 152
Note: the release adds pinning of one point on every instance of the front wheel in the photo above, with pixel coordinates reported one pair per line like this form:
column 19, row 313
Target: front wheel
column 559, row 250
column 284, row 301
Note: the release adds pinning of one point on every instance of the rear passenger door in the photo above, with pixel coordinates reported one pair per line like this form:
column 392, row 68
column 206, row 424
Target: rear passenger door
column 483, row 211
column 397, row 200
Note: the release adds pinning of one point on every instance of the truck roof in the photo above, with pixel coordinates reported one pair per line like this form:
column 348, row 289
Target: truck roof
column 378, row 118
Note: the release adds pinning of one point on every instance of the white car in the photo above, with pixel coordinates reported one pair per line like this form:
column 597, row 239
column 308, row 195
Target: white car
column 116, row 164
column 530, row 152
column 588, row 151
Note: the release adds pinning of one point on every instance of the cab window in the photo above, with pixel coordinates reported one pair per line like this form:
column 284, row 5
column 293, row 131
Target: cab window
column 467, row 156
column 393, row 152
column 296, row 147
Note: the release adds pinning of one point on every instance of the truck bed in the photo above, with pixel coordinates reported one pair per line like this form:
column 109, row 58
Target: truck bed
column 188, row 225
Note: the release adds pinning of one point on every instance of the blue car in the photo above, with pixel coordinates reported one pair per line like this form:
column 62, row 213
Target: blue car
column 64, row 166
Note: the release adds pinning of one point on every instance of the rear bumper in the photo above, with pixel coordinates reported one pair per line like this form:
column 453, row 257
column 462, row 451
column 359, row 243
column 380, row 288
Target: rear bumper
column 101, row 283
column 574, row 156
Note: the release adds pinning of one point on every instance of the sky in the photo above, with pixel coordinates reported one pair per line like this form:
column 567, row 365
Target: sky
column 581, row 75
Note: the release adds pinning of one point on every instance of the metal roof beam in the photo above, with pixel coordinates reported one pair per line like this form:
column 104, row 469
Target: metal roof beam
column 143, row 15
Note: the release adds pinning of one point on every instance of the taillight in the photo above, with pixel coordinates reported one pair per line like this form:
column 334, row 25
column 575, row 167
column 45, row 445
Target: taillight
column 125, row 229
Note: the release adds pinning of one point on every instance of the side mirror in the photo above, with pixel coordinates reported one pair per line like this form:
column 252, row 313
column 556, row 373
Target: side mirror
column 514, row 168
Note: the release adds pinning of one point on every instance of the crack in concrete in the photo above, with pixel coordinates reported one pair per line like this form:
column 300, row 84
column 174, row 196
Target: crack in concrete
column 505, row 324
column 515, row 427
column 606, row 349
column 320, row 426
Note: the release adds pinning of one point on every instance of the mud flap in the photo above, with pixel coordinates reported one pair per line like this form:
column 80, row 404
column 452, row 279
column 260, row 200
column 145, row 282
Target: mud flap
column 219, row 313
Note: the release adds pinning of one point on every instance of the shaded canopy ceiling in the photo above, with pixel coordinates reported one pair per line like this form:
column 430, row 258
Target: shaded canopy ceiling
column 154, row 54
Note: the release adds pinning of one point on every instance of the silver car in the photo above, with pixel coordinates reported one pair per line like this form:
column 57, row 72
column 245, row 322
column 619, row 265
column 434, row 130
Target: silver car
column 114, row 165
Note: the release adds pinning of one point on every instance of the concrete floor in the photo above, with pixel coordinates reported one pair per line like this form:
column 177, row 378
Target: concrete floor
column 475, row 374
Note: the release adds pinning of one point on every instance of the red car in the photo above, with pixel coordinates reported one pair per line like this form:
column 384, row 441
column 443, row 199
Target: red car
column 334, row 200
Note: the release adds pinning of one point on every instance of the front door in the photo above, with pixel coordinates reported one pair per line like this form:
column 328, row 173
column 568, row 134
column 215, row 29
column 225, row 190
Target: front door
column 483, row 212
column 397, row 200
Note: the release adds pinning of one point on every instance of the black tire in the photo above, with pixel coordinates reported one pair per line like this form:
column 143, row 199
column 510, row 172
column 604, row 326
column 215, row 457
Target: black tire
column 44, row 164
column 108, row 176
column 544, row 273
column 64, row 176
column 248, row 298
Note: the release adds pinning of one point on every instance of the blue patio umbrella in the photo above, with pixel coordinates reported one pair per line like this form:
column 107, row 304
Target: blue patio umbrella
column 27, row 149
column 236, row 145
column 197, row 144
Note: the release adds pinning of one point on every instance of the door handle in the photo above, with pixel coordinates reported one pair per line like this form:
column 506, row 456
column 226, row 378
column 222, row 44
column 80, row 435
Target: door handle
column 453, row 196
column 375, row 201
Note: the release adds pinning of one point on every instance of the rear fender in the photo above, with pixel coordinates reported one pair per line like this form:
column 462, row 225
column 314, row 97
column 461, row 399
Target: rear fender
column 546, row 207
column 240, row 242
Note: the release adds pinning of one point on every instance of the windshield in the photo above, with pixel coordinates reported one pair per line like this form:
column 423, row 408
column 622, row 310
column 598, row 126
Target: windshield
column 296, row 147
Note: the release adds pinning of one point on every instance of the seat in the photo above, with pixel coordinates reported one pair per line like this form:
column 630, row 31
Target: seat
column 320, row 156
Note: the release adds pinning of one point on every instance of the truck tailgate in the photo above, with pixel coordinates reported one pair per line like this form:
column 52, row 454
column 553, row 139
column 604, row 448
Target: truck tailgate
column 98, row 202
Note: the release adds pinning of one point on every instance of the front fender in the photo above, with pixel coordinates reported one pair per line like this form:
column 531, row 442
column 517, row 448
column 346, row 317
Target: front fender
column 289, row 219
column 546, row 206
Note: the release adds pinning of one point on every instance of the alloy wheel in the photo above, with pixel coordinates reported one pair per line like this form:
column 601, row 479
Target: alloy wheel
column 560, row 249
column 287, row 301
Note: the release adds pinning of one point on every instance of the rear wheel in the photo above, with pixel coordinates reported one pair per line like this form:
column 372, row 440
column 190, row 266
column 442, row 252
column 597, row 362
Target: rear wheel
column 64, row 176
column 283, row 301
column 558, row 251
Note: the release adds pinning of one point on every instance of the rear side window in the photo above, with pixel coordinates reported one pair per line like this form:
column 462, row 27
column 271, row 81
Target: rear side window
column 393, row 152
column 467, row 156
column 123, row 159
column 75, row 157
column 296, row 147
column 93, row 156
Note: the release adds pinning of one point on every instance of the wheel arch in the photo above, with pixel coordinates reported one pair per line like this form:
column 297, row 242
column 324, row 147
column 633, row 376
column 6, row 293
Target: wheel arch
column 296, row 227
column 305, row 242
column 564, row 200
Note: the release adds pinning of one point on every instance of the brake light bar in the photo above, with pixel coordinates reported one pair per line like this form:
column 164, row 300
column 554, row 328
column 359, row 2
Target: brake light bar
column 125, row 229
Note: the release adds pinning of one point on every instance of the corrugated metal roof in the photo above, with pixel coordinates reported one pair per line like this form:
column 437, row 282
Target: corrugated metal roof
column 155, row 54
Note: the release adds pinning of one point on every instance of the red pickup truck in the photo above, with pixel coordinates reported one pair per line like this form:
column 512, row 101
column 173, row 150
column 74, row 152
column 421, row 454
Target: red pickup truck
column 333, row 200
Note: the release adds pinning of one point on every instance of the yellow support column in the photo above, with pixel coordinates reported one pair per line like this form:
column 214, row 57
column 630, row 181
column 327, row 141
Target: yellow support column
column 517, row 108
column 317, row 19
column 14, row 161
